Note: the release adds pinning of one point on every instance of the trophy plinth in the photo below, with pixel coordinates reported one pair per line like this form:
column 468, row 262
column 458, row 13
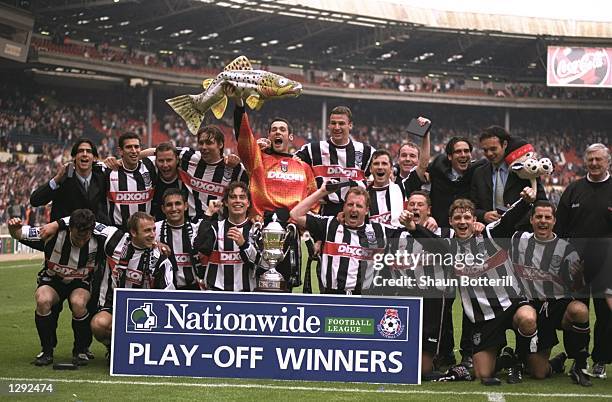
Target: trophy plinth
column 273, row 239
column 271, row 281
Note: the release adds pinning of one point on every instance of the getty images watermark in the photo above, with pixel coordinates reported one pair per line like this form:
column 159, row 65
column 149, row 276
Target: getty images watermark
column 468, row 268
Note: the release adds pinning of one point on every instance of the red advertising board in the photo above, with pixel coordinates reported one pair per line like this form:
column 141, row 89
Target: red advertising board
column 579, row 67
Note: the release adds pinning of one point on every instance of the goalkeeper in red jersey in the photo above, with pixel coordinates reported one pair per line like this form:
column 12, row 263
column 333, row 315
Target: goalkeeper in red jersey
column 277, row 182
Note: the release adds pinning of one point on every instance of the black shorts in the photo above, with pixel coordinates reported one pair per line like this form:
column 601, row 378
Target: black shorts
column 433, row 314
column 550, row 317
column 63, row 289
column 432, row 320
column 100, row 309
column 491, row 334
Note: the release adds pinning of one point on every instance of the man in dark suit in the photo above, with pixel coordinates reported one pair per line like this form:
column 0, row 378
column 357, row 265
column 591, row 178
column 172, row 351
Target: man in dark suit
column 451, row 175
column 494, row 187
column 79, row 184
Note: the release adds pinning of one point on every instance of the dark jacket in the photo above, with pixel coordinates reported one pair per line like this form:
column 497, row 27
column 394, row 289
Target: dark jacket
column 70, row 195
column 482, row 190
column 443, row 190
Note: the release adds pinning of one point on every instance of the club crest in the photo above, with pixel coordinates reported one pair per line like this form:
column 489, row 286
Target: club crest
column 390, row 325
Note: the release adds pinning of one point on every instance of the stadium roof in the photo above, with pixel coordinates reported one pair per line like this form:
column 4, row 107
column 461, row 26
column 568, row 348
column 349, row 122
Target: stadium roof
column 282, row 33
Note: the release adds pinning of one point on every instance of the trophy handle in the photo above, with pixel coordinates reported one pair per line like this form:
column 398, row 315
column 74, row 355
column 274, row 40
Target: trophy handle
column 256, row 236
column 292, row 230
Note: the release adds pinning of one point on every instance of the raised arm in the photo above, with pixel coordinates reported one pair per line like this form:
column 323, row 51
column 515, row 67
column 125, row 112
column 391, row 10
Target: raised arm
column 298, row 213
column 425, row 153
column 504, row 226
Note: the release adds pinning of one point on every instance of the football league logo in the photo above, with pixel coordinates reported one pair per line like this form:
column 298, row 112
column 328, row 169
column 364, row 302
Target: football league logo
column 143, row 318
column 390, row 325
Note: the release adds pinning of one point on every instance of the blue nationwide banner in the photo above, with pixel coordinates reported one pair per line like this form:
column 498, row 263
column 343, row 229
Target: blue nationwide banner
column 263, row 335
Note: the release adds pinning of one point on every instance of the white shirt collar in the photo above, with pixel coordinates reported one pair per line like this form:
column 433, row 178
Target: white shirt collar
column 588, row 176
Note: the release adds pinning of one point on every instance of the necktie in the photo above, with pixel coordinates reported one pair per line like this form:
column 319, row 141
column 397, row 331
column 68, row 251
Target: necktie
column 86, row 185
column 499, row 190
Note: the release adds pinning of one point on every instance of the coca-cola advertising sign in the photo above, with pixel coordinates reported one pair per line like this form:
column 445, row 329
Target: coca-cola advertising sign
column 579, row 66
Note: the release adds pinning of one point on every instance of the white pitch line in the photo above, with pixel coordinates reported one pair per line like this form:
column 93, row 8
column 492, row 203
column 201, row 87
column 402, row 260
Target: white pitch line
column 303, row 388
column 496, row 397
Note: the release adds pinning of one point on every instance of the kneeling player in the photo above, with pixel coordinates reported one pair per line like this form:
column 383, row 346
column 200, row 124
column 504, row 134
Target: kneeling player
column 421, row 278
column 133, row 261
column 179, row 234
column 549, row 267
column 71, row 256
column 492, row 309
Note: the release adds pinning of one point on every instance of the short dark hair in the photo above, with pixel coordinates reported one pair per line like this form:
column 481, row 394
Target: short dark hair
column 450, row 146
column 234, row 185
column 132, row 224
column 409, row 144
column 495, row 132
column 542, row 204
column 274, row 120
column 343, row 110
column 381, row 152
column 77, row 144
column 173, row 191
column 128, row 136
column 82, row 220
column 212, row 132
column 165, row 146
column 231, row 187
column 422, row 193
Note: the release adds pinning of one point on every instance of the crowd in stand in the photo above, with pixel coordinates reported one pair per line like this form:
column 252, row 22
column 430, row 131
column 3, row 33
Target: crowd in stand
column 191, row 62
column 26, row 116
column 546, row 92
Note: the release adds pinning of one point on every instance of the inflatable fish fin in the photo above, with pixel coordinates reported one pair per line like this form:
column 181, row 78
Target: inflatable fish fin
column 239, row 63
column 184, row 106
column 253, row 101
column 206, row 83
column 219, row 108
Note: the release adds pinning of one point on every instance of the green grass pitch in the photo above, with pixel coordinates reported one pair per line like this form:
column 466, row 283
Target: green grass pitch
column 19, row 343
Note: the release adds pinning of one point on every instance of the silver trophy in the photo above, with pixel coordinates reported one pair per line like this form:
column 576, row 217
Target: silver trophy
column 273, row 241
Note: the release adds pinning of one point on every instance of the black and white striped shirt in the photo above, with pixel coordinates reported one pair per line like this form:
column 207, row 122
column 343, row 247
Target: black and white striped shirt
column 386, row 204
column 228, row 266
column 204, row 181
column 547, row 269
column 129, row 191
column 348, row 162
column 62, row 259
column 483, row 303
column 424, row 270
column 348, row 253
column 107, row 285
column 489, row 260
column 134, row 267
column 184, row 256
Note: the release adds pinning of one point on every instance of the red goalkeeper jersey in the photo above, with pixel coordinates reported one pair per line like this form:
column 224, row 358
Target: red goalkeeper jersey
column 276, row 180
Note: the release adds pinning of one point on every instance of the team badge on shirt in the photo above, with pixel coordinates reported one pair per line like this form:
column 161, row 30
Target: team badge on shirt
column 147, row 179
column 358, row 158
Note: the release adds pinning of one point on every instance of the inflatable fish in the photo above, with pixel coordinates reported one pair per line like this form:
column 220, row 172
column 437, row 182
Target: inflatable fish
column 237, row 80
